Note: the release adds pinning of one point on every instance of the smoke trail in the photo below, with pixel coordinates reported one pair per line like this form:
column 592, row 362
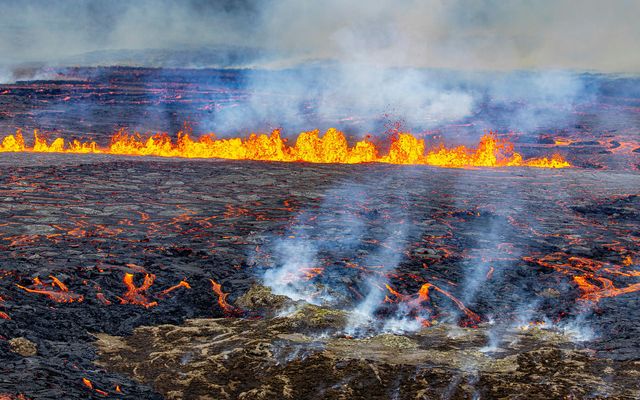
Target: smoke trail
column 535, row 101
column 488, row 34
column 355, row 96
column 367, row 224
column 332, row 232
column 482, row 35
column 394, row 238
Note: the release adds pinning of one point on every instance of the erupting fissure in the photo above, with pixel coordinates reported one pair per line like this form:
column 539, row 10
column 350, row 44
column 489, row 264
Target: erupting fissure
column 332, row 147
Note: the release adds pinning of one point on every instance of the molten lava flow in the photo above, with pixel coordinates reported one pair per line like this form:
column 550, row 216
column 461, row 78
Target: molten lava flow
column 89, row 385
column 13, row 143
column 415, row 303
column 183, row 284
column 4, row 396
column 560, row 141
column 592, row 292
column 585, row 273
column 423, row 295
column 3, row 315
column 399, row 296
column 228, row 309
column 306, row 273
column 137, row 295
column 56, row 291
column 332, row 147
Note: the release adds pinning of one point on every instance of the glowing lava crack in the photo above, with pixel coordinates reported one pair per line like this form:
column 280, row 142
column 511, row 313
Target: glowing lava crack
column 332, row 147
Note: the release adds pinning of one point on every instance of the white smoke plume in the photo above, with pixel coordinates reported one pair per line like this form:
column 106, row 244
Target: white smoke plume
column 363, row 62
column 356, row 95
column 350, row 218
column 478, row 35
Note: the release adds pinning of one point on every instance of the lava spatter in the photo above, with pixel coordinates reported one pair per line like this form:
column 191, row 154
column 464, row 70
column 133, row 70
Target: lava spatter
column 331, row 148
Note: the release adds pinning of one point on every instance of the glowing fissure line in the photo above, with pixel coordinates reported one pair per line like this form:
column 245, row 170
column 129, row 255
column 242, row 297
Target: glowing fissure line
column 332, row 147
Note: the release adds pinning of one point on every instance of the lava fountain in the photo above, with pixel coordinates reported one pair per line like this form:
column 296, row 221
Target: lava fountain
column 332, row 147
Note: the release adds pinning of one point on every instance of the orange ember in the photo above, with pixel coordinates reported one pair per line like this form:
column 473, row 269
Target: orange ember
column 332, row 147
column 87, row 383
column 137, row 295
column 56, row 290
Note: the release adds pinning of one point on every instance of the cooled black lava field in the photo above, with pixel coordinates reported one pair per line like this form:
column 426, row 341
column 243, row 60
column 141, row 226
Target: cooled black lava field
column 145, row 277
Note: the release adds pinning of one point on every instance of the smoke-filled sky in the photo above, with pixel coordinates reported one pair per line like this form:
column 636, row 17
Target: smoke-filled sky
column 481, row 34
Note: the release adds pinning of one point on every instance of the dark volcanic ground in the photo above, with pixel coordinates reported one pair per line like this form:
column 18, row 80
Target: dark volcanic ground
column 519, row 247
column 523, row 235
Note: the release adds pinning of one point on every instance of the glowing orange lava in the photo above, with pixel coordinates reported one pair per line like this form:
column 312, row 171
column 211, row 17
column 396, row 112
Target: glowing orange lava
column 137, row 295
column 183, row 284
column 56, row 290
column 306, row 273
column 3, row 315
column 89, row 385
column 592, row 292
column 222, row 299
column 4, row 396
column 585, row 274
column 416, row 303
column 332, row 147
column 423, row 295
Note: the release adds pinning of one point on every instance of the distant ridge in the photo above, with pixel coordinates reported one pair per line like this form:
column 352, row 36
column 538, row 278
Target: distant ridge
column 200, row 57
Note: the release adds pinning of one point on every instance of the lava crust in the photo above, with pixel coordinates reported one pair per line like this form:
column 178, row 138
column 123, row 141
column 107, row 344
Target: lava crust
column 132, row 264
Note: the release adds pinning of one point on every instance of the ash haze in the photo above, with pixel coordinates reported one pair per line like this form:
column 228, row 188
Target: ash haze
column 480, row 35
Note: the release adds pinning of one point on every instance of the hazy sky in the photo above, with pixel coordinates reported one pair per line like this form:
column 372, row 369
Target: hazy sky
column 481, row 34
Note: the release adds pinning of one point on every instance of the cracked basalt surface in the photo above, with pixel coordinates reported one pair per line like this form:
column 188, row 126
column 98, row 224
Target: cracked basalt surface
column 88, row 220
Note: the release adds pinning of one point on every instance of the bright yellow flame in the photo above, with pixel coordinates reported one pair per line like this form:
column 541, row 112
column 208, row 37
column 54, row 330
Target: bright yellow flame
column 332, row 147
column 13, row 143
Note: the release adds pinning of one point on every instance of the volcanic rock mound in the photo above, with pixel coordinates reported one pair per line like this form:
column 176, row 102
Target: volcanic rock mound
column 293, row 357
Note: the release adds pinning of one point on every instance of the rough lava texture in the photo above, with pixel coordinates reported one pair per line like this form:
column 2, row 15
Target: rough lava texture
column 293, row 357
column 90, row 220
column 509, row 243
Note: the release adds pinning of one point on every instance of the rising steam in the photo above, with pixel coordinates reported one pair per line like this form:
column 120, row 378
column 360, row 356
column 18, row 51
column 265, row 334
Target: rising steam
column 344, row 227
column 487, row 34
